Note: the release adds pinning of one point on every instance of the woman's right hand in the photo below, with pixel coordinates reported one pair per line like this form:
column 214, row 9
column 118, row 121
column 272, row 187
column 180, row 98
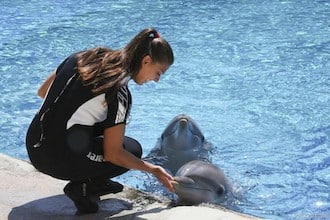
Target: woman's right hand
column 42, row 91
column 116, row 154
column 163, row 177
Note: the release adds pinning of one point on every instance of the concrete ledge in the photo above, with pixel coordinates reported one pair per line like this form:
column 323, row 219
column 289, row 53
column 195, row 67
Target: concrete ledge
column 28, row 194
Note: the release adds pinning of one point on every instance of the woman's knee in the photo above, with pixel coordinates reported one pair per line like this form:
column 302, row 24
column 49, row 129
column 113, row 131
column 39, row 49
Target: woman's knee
column 133, row 146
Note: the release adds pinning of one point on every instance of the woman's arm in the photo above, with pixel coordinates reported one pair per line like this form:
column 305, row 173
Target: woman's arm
column 116, row 154
column 45, row 85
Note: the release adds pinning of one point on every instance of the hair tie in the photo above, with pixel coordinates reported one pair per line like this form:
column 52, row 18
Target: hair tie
column 156, row 35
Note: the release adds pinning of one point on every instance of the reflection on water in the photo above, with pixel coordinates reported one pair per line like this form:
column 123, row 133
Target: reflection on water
column 253, row 74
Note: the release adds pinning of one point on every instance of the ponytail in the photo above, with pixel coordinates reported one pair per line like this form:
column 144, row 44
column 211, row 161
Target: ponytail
column 147, row 42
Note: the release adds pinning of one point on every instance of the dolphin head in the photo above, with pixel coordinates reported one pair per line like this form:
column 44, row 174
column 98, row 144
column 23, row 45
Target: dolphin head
column 199, row 181
column 181, row 134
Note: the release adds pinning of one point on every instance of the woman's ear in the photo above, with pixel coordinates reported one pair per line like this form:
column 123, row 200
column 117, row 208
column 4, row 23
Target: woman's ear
column 146, row 60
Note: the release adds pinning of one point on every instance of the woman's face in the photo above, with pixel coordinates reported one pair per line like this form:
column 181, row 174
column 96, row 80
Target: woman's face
column 149, row 71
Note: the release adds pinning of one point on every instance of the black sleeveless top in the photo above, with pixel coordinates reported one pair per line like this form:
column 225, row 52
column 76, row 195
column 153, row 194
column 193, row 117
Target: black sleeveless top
column 71, row 114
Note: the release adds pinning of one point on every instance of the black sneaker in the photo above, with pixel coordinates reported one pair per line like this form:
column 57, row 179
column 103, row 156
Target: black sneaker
column 77, row 191
column 100, row 187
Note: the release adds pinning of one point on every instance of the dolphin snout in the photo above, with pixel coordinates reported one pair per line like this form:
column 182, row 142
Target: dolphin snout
column 183, row 180
column 183, row 119
column 182, row 183
column 183, row 123
column 175, row 184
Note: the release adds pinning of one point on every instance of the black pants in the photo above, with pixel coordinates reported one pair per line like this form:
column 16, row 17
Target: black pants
column 56, row 159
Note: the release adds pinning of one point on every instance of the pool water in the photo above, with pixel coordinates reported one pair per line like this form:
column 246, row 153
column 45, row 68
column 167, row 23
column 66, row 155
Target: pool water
column 253, row 74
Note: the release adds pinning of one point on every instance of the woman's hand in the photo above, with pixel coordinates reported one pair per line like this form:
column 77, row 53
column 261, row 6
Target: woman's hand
column 163, row 177
column 116, row 154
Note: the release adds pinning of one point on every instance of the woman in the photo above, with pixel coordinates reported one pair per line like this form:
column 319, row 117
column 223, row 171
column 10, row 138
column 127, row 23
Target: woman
column 79, row 132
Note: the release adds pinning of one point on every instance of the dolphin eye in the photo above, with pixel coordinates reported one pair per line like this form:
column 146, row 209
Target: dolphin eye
column 221, row 190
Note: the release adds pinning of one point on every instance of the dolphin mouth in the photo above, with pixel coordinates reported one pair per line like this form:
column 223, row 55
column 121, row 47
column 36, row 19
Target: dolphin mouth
column 181, row 124
column 183, row 120
column 196, row 188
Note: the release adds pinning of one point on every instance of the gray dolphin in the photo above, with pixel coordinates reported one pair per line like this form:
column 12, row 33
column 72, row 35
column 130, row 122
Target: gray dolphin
column 199, row 181
column 182, row 141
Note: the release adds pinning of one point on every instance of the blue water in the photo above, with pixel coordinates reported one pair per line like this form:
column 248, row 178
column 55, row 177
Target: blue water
column 253, row 74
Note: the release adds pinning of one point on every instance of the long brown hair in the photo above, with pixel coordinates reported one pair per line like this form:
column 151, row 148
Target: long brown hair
column 104, row 68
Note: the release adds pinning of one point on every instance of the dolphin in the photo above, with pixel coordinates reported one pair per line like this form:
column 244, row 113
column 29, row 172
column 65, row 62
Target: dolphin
column 200, row 181
column 180, row 142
